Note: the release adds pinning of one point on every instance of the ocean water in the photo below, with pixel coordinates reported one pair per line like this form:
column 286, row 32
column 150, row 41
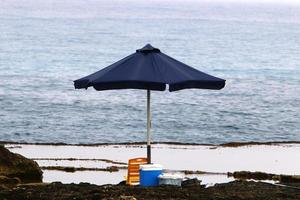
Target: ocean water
column 45, row 45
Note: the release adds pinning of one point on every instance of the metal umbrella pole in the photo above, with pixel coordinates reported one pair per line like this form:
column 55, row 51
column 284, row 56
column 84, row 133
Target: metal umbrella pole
column 148, row 128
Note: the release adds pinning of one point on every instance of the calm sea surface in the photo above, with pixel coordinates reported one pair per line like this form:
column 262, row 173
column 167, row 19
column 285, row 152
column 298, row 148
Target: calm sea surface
column 45, row 45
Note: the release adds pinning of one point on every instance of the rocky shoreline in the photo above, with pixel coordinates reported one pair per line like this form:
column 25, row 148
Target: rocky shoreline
column 21, row 178
column 237, row 190
column 17, row 167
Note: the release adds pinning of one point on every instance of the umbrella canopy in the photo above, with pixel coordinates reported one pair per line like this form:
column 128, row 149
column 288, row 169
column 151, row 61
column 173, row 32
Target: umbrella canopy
column 149, row 69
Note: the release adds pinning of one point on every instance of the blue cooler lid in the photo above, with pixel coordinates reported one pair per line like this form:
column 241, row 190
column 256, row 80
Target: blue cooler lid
column 150, row 167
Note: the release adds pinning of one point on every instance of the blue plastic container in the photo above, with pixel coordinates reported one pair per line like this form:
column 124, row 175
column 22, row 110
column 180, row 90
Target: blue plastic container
column 149, row 174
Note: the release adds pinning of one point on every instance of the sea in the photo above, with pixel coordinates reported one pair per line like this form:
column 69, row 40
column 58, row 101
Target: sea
column 46, row 44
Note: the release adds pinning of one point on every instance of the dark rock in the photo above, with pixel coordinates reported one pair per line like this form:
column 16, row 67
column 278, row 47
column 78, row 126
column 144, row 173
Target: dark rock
column 96, row 196
column 190, row 182
column 9, row 181
column 84, row 184
column 57, row 183
column 284, row 179
column 122, row 183
column 14, row 165
column 236, row 190
column 289, row 179
column 123, row 197
column 61, row 168
column 69, row 169
column 252, row 175
column 112, row 169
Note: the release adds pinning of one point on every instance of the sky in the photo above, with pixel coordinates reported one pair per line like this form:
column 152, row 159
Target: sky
column 252, row 1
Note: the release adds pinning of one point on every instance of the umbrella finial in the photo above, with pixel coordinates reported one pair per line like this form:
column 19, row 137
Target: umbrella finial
column 147, row 49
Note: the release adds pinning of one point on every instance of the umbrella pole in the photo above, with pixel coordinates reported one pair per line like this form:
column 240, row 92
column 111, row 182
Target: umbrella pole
column 148, row 128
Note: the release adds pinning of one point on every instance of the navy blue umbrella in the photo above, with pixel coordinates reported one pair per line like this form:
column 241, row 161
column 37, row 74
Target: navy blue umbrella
column 149, row 69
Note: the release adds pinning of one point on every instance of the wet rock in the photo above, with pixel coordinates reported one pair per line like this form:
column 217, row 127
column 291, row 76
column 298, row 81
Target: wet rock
column 9, row 181
column 14, row 165
column 237, row 190
column 122, row 197
column 252, row 175
column 193, row 172
column 3, row 187
column 112, row 169
column 84, row 184
column 122, row 183
column 289, row 179
column 285, row 179
column 190, row 182
column 96, row 196
column 74, row 169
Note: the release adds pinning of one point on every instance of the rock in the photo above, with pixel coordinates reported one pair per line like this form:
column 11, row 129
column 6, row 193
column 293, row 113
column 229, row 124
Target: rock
column 122, row 197
column 14, row 165
column 112, row 169
column 236, row 190
column 84, row 184
column 252, row 175
column 3, row 187
column 122, row 183
column 97, row 196
column 289, row 179
column 6, row 182
column 9, row 181
column 244, row 175
column 190, row 182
